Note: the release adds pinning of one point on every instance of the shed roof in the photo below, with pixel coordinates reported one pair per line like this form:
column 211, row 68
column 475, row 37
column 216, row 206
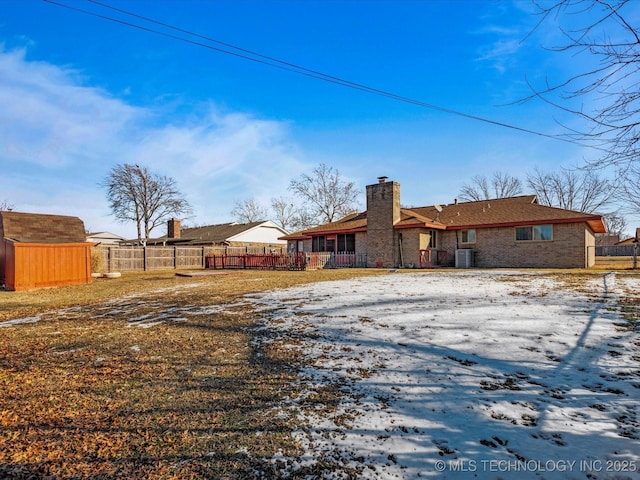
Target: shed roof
column 41, row 228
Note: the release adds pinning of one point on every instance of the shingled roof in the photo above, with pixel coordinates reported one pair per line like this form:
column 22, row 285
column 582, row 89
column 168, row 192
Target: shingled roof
column 212, row 234
column 502, row 212
column 355, row 222
column 41, row 228
column 217, row 233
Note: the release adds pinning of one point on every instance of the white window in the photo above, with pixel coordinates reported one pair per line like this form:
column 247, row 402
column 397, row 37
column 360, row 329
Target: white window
column 468, row 236
column 534, row 233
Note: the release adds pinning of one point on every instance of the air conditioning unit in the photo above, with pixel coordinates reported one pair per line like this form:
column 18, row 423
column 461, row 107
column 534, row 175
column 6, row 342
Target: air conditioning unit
column 464, row 258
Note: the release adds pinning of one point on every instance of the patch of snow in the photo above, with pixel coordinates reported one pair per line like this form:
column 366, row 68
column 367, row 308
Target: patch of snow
column 478, row 374
column 20, row 321
column 145, row 324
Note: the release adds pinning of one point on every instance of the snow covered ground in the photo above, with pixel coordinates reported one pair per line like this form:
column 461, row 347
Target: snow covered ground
column 470, row 374
column 460, row 374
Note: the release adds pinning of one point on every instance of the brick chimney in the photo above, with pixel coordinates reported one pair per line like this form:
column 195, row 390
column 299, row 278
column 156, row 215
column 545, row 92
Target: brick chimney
column 173, row 228
column 383, row 212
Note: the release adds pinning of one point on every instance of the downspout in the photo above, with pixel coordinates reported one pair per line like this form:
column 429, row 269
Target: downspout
column 401, row 254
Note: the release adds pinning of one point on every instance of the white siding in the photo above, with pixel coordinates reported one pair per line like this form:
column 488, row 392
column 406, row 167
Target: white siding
column 267, row 232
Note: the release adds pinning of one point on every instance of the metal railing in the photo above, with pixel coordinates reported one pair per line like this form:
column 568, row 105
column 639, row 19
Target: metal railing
column 289, row 261
column 255, row 261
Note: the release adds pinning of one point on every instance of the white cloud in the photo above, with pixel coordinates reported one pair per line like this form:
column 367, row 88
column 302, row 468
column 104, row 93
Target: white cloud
column 59, row 138
column 48, row 118
column 500, row 53
column 221, row 158
column 500, row 36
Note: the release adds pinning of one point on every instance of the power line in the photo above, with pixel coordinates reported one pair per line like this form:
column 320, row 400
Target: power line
column 287, row 66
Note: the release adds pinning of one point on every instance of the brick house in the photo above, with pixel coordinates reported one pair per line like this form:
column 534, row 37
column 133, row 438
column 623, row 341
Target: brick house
column 506, row 232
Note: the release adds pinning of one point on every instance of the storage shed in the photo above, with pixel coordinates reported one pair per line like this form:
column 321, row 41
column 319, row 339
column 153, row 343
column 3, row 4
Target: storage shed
column 38, row 250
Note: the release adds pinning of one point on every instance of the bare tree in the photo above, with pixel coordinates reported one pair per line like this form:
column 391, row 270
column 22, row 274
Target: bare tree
column 629, row 191
column 616, row 224
column 5, row 206
column 502, row 185
column 286, row 212
column 580, row 190
column 303, row 219
column 325, row 194
column 505, row 185
column 477, row 190
column 609, row 89
column 249, row 211
column 137, row 194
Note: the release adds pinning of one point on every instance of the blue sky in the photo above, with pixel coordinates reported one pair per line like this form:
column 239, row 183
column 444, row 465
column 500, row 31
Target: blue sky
column 80, row 94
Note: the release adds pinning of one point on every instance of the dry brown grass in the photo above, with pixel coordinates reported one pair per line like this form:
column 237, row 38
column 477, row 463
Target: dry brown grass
column 14, row 304
column 87, row 394
column 614, row 263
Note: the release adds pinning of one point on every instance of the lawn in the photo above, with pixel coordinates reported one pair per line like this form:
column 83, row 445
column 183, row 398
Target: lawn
column 145, row 376
column 341, row 374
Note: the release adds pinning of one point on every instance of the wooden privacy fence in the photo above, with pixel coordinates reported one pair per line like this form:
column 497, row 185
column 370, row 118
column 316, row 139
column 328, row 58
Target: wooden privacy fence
column 132, row 259
column 286, row 261
column 615, row 250
column 139, row 259
column 619, row 257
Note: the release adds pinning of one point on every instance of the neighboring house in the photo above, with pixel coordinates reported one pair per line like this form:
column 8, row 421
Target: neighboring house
column 606, row 239
column 104, row 238
column 507, row 232
column 39, row 250
column 264, row 234
column 631, row 240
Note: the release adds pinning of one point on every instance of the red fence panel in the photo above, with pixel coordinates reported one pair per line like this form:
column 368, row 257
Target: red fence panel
column 256, row 262
column 286, row 261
